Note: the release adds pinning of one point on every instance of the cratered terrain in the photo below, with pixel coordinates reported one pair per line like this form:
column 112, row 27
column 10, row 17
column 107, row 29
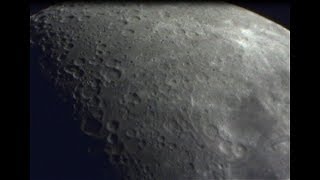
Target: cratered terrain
column 175, row 91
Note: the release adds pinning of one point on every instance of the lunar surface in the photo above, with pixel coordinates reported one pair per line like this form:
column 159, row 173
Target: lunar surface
column 178, row 91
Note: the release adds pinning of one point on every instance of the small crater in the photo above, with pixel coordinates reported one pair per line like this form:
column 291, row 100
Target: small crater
column 225, row 148
column 112, row 139
column 239, row 150
column 88, row 92
column 134, row 76
column 131, row 133
column 70, row 45
column 113, row 126
column 91, row 126
column 110, row 74
column 96, row 113
column 116, row 61
column 202, row 77
column 63, row 39
column 162, row 144
column 100, row 60
column 71, row 16
column 62, row 57
column 74, row 71
column 137, row 18
column 79, row 19
column 191, row 166
column 134, row 98
column 113, row 63
column 282, row 146
column 202, row 146
column 78, row 74
column 172, row 146
column 125, row 22
column 122, row 101
column 128, row 32
column 172, row 126
column 161, row 139
column 142, row 144
column 40, row 18
column 80, row 61
column 99, row 52
column 165, row 14
column 211, row 131
column 182, row 31
column 93, row 61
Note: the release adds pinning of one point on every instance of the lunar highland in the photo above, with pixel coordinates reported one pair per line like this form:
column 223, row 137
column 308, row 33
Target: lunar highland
column 176, row 91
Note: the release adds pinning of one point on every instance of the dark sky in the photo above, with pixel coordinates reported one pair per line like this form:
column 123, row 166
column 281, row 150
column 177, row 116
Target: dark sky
column 277, row 12
column 58, row 149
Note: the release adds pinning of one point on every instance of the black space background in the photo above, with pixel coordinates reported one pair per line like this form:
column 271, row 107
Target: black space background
column 58, row 149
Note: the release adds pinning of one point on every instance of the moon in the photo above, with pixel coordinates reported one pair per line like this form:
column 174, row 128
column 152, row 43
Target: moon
column 175, row 91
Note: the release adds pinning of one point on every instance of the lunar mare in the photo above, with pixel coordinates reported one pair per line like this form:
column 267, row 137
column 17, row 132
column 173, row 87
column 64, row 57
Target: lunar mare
column 176, row 91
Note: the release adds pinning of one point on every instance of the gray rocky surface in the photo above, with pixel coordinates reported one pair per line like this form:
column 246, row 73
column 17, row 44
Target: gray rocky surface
column 176, row 91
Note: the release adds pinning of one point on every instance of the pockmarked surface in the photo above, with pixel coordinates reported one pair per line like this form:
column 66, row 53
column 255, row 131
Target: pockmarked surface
column 176, row 91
